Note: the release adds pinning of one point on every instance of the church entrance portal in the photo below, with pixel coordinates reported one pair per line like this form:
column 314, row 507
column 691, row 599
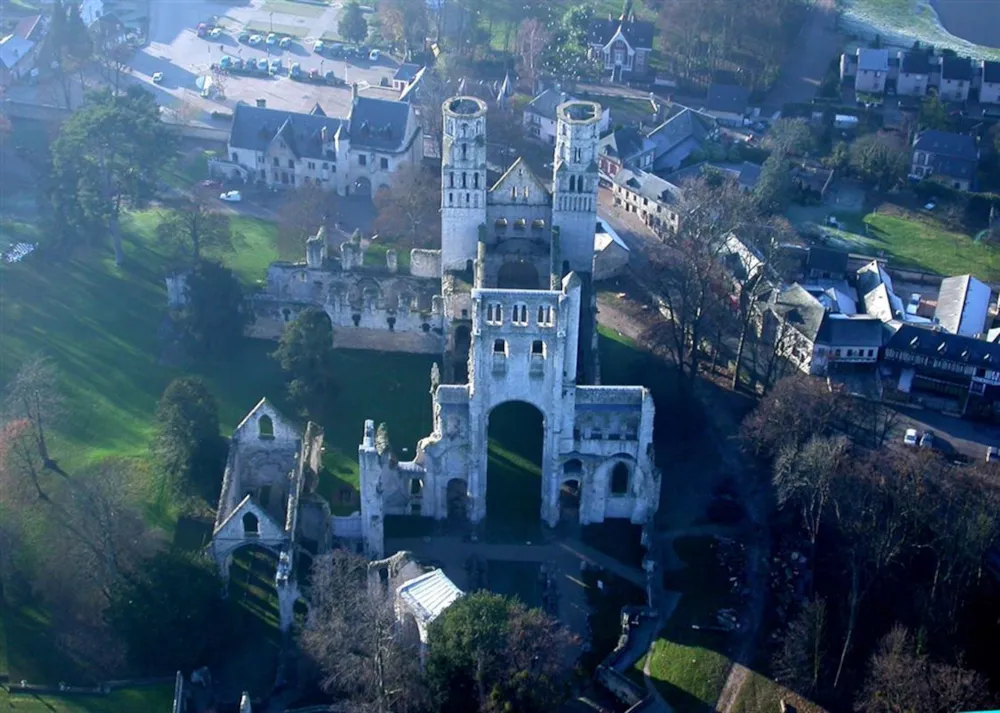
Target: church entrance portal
column 516, row 432
column 518, row 275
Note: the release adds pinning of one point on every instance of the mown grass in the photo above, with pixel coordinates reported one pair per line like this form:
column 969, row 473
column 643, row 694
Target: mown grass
column 145, row 699
column 762, row 695
column 690, row 677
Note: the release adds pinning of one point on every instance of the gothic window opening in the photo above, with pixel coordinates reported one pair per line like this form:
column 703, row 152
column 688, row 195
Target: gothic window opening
column 466, row 199
column 500, row 346
column 619, row 479
column 494, row 314
column 524, row 193
column 251, row 525
column 463, row 129
column 451, row 180
column 513, row 193
column 572, row 183
column 465, row 150
column 475, row 180
column 538, row 348
column 416, row 486
column 520, row 315
column 265, row 427
column 464, row 182
column 451, row 199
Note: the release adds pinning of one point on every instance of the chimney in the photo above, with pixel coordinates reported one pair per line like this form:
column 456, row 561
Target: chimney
column 354, row 93
column 262, row 103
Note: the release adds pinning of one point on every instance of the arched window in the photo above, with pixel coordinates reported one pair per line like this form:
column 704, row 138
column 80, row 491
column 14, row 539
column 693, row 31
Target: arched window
column 513, row 193
column 572, row 183
column 520, row 314
column 265, row 427
column 463, row 129
column 251, row 525
column 538, row 348
column 475, row 180
column 451, row 199
column 579, row 185
column 464, row 181
column 572, row 467
column 619, row 479
column 451, row 180
column 465, row 150
column 500, row 346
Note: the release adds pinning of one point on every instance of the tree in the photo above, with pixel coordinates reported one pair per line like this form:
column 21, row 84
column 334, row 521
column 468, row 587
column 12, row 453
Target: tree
column 352, row 634
column 306, row 355
column 170, row 615
column 19, row 462
column 215, row 314
column 434, row 90
column 301, row 214
column 773, row 191
column 532, row 41
column 901, row 680
column 688, row 271
column 33, row 397
column 567, row 54
column 792, row 137
column 487, row 652
column 800, row 659
column 404, row 23
column 353, row 26
column 193, row 225
column 187, row 444
column 108, row 154
column 796, row 409
column 839, row 158
column 934, row 114
column 409, row 214
column 879, row 160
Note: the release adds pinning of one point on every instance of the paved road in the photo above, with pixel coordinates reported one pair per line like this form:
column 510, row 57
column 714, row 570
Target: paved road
column 807, row 61
column 952, row 435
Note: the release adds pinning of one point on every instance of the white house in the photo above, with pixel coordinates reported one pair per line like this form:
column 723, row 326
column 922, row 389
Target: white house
column 989, row 92
column 622, row 45
column 873, row 70
column 915, row 67
column 540, row 115
column 956, row 78
column 963, row 305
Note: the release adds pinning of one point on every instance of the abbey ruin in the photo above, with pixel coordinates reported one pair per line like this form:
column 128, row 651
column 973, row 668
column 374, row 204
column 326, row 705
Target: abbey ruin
column 508, row 303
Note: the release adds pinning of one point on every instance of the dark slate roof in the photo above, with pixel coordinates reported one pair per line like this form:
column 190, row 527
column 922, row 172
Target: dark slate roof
column 623, row 143
column 991, row 72
column 407, row 72
column 379, row 123
column 648, row 186
column 956, row 68
column 685, row 124
column 255, row 127
column 29, row 27
column 749, row 173
column 916, row 62
column 545, row 104
column 945, row 143
column 728, row 98
column 803, row 312
column 844, row 331
column 937, row 344
column 638, row 33
column 827, row 260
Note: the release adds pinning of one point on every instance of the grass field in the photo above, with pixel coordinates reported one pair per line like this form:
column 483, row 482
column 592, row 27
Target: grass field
column 147, row 699
column 301, row 9
column 762, row 695
column 514, row 472
column 921, row 242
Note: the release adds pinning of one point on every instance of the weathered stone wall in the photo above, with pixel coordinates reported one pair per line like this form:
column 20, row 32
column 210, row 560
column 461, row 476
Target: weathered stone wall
column 425, row 263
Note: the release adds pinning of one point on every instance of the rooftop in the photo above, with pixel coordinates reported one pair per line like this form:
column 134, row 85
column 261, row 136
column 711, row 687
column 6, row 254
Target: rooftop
column 379, row 123
column 638, row 33
column 407, row 72
column 956, row 68
column 840, row 330
column 801, row 311
column 870, row 60
column 546, row 103
column 991, row 72
column 916, row 62
column 938, row 344
column 254, row 128
column 648, row 185
column 729, row 98
column 429, row 595
column 962, row 306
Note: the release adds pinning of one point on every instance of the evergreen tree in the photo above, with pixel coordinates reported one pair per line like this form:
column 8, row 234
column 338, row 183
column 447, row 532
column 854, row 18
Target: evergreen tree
column 188, row 445
column 353, row 26
column 306, row 354
column 216, row 314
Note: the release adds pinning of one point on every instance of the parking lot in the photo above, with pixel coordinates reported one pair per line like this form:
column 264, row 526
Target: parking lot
column 176, row 51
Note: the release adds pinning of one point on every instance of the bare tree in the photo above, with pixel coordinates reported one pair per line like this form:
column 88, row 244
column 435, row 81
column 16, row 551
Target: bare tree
column 408, row 214
column 352, row 634
column 688, row 270
column 434, row 90
column 804, row 480
column 99, row 508
column 33, row 395
column 301, row 214
column 900, row 680
column 19, row 461
column 532, row 42
column 799, row 662
column 193, row 224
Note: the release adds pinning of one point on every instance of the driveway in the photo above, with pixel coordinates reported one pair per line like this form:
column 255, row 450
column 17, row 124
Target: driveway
column 806, row 63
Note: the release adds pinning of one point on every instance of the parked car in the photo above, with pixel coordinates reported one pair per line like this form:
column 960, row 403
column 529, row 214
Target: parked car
column 215, row 33
column 329, row 76
column 255, row 39
column 992, row 454
column 243, row 36
column 261, row 65
column 157, row 77
column 231, row 197
column 910, row 437
column 275, row 66
column 285, row 42
column 272, row 39
column 318, row 47
column 927, row 440
column 209, row 183
column 226, row 62
column 374, row 55
column 336, row 50
column 295, row 71
column 314, row 74
column 237, row 63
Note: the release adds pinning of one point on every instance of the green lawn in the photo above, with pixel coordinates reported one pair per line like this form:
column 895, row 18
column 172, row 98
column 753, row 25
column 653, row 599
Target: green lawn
column 920, row 242
column 689, row 677
column 293, row 8
column 762, row 695
column 147, row 699
column 514, row 472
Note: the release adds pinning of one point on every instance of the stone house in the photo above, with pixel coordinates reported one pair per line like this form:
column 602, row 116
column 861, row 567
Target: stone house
column 357, row 154
column 952, row 158
column 611, row 253
column 956, row 78
column 540, row 115
column 406, row 74
column 727, row 103
column 650, row 197
column 872, row 71
column 680, row 136
column 622, row 45
column 915, row 68
column 19, row 49
column 627, row 147
column 989, row 92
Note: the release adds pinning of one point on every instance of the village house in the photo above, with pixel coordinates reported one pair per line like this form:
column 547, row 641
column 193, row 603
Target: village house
column 727, row 103
column 956, row 78
column 963, row 305
column 406, row 74
column 622, row 46
column 358, row 154
column 745, row 174
column 627, row 147
column 950, row 158
column 872, row 71
column 540, row 115
column 19, row 49
column 989, row 92
column 680, row 136
column 650, row 197
column 915, row 68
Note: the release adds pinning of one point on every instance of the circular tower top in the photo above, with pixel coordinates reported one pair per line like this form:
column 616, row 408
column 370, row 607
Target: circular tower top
column 464, row 107
column 579, row 112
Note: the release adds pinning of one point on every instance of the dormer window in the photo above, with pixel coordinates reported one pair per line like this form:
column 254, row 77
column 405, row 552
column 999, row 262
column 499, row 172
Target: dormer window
column 538, row 224
column 501, row 223
column 519, row 224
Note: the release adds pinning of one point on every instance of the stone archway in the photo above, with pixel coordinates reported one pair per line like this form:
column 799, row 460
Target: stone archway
column 515, row 454
column 518, row 275
column 363, row 186
column 457, row 500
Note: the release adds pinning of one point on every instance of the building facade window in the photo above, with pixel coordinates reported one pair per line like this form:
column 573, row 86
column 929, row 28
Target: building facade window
column 384, row 164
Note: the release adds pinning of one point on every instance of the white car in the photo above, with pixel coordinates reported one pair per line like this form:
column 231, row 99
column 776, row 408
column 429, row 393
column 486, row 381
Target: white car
column 910, row 437
column 374, row 55
column 215, row 33
column 157, row 77
column 255, row 39
column 231, row 197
